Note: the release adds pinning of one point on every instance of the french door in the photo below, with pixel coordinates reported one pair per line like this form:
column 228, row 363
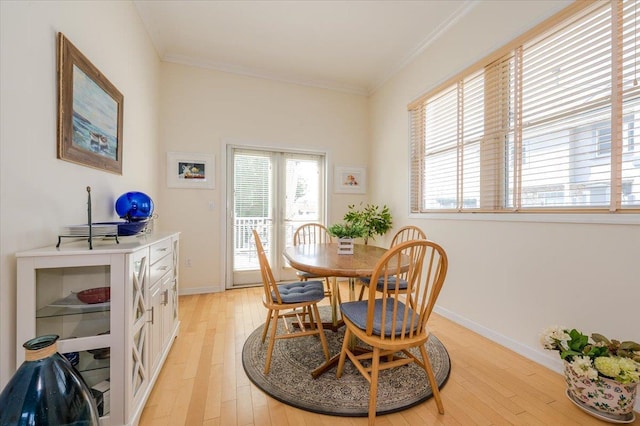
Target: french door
column 274, row 193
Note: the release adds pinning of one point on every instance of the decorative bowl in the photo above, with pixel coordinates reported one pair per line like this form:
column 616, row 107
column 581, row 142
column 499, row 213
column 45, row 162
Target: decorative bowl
column 102, row 353
column 126, row 229
column 95, row 295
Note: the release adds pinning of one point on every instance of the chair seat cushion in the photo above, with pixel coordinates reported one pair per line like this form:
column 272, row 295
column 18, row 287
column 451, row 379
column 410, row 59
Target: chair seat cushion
column 391, row 283
column 356, row 312
column 300, row 291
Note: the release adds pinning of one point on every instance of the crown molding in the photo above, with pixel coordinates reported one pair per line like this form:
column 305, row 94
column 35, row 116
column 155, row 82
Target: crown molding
column 250, row 72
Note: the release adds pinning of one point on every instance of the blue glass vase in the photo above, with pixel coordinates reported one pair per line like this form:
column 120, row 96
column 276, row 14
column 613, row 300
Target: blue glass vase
column 134, row 206
column 46, row 390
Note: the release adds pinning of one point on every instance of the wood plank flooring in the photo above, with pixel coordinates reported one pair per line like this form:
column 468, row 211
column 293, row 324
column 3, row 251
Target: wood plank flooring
column 203, row 382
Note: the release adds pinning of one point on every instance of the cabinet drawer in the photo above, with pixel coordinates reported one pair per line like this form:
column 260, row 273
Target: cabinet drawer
column 159, row 268
column 159, row 250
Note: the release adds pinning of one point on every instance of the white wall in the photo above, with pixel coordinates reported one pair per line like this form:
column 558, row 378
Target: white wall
column 39, row 193
column 203, row 110
column 508, row 280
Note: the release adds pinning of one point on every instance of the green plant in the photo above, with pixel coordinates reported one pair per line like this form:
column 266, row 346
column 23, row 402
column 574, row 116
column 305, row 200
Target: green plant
column 346, row 230
column 596, row 356
column 374, row 220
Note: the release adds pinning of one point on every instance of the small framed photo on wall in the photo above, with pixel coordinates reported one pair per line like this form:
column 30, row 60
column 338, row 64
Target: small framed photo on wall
column 350, row 180
column 190, row 170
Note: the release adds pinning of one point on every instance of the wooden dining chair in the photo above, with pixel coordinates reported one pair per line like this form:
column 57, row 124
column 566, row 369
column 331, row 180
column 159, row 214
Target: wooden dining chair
column 406, row 233
column 313, row 233
column 390, row 321
column 294, row 300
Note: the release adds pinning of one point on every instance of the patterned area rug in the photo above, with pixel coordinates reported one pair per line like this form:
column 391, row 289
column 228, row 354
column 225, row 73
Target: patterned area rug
column 290, row 381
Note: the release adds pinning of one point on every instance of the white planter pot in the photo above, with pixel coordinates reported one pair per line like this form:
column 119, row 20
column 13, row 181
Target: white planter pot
column 345, row 245
column 603, row 398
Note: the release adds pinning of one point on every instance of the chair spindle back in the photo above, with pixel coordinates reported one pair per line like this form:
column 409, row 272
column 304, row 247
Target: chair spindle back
column 268, row 281
column 405, row 313
column 311, row 233
column 408, row 233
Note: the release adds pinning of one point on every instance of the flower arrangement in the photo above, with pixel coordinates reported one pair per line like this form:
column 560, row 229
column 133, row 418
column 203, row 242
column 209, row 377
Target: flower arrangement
column 598, row 356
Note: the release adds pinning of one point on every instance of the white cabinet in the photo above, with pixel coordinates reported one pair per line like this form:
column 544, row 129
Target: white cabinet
column 124, row 341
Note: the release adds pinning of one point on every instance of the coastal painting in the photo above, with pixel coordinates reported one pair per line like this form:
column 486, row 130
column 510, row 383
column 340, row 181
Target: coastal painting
column 89, row 112
column 95, row 117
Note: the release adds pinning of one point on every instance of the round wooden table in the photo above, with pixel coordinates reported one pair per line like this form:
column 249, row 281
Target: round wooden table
column 323, row 260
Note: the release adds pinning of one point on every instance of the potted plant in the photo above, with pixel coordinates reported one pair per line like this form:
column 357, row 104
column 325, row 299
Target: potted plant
column 601, row 374
column 374, row 220
column 346, row 233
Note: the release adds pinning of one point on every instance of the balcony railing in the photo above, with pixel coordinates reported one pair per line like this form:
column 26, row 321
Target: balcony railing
column 244, row 247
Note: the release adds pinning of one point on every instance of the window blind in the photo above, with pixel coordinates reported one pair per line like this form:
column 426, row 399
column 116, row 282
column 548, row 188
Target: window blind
column 547, row 126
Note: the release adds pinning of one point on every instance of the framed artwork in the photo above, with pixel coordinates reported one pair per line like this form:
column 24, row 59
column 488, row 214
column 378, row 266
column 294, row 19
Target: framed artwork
column 190, row 170
column 351, row 180
column 89, row 112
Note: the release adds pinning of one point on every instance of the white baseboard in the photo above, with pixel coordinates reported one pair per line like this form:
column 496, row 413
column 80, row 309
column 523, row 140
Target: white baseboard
column 552, row 363
column 198, row 290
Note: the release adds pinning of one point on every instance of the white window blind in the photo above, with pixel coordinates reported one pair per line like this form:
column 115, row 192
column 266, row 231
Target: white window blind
column 548, row 126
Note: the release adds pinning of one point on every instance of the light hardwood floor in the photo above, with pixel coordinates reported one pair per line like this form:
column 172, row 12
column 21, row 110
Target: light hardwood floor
column 203, row 382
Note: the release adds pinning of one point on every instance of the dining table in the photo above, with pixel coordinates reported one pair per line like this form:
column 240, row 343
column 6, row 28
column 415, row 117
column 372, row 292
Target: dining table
column 323, row 260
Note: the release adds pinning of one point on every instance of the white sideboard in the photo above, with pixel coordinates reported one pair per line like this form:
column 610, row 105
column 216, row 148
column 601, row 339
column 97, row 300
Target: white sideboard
column 123, row 343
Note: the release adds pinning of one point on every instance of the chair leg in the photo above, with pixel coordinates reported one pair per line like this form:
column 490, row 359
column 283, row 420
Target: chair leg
column 323, row 339
column 312, row 322
column 343, row 352
column 266, row 324
column 327, row 292
column 432, row 378
column 272, row 341
column 373, row 390
column 362, row 287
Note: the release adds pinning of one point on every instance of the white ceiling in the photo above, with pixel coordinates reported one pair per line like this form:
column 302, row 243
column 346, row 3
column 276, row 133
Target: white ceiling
column 352, row 46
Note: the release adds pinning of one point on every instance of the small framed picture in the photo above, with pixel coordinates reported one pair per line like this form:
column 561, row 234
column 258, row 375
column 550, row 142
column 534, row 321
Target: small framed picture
column 190, row 170
column 350, row 180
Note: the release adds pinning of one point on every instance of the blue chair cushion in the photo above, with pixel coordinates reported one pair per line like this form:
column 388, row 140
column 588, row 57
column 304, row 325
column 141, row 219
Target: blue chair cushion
column 356, row 312
column 300, row 291
column 391, row 283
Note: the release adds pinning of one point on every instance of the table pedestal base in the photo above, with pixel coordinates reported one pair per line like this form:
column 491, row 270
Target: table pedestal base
column 334, row 361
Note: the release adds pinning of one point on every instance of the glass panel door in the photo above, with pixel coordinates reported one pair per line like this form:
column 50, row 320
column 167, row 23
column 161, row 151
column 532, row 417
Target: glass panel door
column 274, row 193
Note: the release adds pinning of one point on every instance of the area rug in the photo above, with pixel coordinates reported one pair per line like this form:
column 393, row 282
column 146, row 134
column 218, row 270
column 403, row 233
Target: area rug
column 290, row 381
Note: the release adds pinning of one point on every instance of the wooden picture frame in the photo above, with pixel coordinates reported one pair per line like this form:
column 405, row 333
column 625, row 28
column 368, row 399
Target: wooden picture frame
column 350, row 180
column 89, row 112
column 190, row 170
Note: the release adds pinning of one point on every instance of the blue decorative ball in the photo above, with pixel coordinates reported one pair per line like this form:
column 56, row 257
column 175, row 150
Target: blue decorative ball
column 134, row 206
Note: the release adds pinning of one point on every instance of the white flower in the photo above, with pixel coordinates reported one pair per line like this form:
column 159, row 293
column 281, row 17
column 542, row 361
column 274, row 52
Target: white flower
column 554, row 337
column 583, row 367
